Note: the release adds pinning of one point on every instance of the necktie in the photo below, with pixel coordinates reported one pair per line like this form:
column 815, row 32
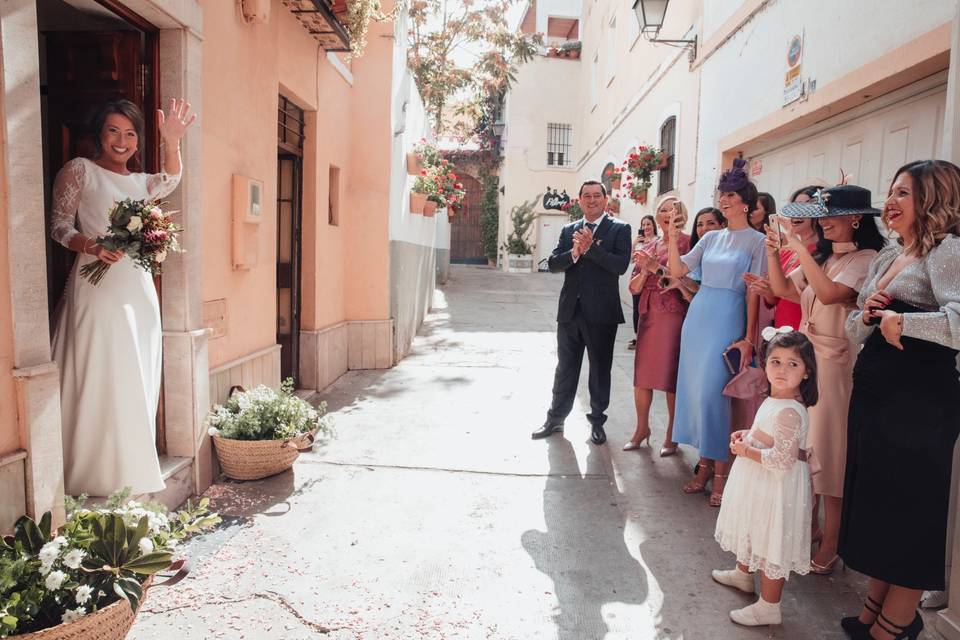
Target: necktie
column 591, row 225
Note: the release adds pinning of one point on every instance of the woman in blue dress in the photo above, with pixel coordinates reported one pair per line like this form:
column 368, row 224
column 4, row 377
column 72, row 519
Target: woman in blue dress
column 722, row 316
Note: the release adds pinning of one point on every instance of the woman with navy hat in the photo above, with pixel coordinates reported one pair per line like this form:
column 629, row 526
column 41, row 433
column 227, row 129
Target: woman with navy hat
column 825, row 285
column 721, row 320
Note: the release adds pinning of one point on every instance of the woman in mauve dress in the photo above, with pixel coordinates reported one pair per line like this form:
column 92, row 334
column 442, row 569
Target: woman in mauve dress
column 661, row 309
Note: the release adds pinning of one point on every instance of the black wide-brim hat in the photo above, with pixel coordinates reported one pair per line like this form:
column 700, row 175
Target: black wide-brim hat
column 842, row 200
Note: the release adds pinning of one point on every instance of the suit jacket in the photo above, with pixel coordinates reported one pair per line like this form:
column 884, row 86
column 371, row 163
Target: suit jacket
column 594, row 278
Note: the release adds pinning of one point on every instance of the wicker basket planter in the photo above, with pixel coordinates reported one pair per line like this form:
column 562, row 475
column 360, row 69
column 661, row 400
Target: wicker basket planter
column 113, row 622
column 417, row 202
column 256, row 459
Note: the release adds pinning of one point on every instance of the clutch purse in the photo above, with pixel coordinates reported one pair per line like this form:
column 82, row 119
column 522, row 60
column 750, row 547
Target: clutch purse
column 731, row 357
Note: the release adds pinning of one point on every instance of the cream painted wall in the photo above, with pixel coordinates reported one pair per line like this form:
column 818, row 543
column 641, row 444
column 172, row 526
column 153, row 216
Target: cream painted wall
column 9, row 429
column 540, row 95
column 732, row 99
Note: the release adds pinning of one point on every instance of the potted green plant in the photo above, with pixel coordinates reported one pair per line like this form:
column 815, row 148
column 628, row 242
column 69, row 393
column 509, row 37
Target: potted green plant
column 260, row 433
column 423, row 187
column 519, row 250
column 571, row 49
column 87, row 580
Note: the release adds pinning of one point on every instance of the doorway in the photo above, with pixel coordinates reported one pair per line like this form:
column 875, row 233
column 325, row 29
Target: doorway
column 466, row 236
column 92, row 51
column 290, row 131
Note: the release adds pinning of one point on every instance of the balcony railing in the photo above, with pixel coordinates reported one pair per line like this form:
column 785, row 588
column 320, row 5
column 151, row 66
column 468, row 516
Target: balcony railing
column 324, row 20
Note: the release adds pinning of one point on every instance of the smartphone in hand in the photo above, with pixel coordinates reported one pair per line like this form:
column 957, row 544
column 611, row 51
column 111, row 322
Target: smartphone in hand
column 774, row 223
column 731, row 357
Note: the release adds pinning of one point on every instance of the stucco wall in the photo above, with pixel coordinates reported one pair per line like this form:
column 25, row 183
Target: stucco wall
column 9, row 431
column 240, row 64
column 417, row 242
column 731, row 99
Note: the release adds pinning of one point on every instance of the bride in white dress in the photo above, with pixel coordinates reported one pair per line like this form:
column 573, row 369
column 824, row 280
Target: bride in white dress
column 107, row 338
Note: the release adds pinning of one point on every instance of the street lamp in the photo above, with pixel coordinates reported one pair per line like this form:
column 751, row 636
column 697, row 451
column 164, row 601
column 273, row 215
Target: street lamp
column 651, row 14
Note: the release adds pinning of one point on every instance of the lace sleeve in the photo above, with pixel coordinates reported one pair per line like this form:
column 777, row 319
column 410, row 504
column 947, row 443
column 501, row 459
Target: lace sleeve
column 160, row 185
column 786, row 442
column 67, row 186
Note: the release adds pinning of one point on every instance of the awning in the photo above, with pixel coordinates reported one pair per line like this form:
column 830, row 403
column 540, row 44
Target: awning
column 323, row 19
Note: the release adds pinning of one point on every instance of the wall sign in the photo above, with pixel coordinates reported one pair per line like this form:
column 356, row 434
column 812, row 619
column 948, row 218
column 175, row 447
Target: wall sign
column 554, row 200
column 792, row 82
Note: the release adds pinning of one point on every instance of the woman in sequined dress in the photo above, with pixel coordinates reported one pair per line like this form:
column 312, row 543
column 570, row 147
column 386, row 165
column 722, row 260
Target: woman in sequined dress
column 905, row 407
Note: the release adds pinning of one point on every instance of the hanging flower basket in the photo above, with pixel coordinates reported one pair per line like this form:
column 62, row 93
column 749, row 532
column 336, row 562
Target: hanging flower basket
column 430, row 209
column 663, row 163
column 414, row 164
column 417, row 202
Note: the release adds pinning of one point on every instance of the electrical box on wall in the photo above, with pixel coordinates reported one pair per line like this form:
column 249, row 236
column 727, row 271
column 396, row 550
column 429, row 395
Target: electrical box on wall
column 247, row 212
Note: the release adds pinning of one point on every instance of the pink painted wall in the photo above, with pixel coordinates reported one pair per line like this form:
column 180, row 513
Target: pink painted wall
column 345, row 268
column 368, row 233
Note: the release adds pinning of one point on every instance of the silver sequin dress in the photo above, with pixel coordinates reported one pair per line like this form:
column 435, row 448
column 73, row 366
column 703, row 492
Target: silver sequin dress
column 903, row 423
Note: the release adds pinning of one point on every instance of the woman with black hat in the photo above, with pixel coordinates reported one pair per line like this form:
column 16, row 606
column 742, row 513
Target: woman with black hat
column 826, row 286
column 905, row 408
column 718, row 327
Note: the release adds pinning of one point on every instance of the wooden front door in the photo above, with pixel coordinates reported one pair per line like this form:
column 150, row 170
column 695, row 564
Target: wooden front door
column 466, row 239
column 289, row 193
column 85, row 69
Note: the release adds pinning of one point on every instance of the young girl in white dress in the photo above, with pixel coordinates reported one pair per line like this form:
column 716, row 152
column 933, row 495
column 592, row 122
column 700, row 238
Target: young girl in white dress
column 766, row 510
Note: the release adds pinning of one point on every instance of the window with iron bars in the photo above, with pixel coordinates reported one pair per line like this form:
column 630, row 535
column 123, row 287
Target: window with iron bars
column 668, row 142
column 558, row 145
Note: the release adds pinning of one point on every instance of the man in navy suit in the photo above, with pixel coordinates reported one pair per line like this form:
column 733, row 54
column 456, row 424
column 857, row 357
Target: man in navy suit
column 593, row 253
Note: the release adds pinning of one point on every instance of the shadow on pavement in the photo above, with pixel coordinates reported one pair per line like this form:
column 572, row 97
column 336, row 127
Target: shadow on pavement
column 583, row 549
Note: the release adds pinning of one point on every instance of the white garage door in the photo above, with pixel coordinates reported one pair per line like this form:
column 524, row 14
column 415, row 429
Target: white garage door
column 869, row 144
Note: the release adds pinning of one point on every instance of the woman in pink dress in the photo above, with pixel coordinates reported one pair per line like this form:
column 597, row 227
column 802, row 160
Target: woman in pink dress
column 661, row 312
column 826, row 284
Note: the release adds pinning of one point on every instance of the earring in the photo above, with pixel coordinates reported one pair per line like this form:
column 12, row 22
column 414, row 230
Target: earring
column 856, row 224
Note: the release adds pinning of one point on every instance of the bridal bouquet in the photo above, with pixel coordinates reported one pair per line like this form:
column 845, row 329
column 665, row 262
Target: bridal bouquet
column 142, row 231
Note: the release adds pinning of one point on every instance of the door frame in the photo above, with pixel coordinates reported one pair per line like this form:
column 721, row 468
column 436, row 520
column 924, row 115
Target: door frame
column 36, row 377
column 288, row 153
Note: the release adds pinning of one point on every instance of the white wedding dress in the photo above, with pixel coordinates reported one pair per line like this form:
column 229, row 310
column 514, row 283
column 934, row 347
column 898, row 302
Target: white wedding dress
column 107, row 342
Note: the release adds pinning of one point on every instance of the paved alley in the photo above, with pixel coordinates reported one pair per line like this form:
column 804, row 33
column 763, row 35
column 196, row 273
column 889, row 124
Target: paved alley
column 432, row 514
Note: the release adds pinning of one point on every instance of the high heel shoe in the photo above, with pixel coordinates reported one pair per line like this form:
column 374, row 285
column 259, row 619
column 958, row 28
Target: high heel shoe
column 699, row 483
column 852, row 624
column 633, row 446
column 716, row 497
column 909, row 632
column 666, row 451
column 824, row 569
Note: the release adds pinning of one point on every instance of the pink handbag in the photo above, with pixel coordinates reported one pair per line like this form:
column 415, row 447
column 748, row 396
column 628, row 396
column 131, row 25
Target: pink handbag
column 747, row 390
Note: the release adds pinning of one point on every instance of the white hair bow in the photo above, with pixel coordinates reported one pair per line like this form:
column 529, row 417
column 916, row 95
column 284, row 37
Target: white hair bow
column 768, row 333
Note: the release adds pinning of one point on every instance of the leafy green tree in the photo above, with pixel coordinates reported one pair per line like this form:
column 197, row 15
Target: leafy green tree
column 439, row 28
column 489, row 212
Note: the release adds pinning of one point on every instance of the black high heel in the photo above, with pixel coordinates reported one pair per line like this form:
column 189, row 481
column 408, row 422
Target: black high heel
column 852, row 625
column 910, row 632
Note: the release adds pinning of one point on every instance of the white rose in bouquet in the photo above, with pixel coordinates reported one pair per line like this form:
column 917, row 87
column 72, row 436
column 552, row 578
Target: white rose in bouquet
column 160, row 257
column 135, row 223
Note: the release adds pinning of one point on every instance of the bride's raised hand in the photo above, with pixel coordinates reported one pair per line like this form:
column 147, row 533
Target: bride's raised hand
column 174, row 123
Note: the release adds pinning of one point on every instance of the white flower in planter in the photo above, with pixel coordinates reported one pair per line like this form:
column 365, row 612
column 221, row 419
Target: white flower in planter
column 48, row 555
column 72, row 614
column 146, row 545
column 83, row 594
column 54, row 580
column 73, row 559
column 213, row 431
